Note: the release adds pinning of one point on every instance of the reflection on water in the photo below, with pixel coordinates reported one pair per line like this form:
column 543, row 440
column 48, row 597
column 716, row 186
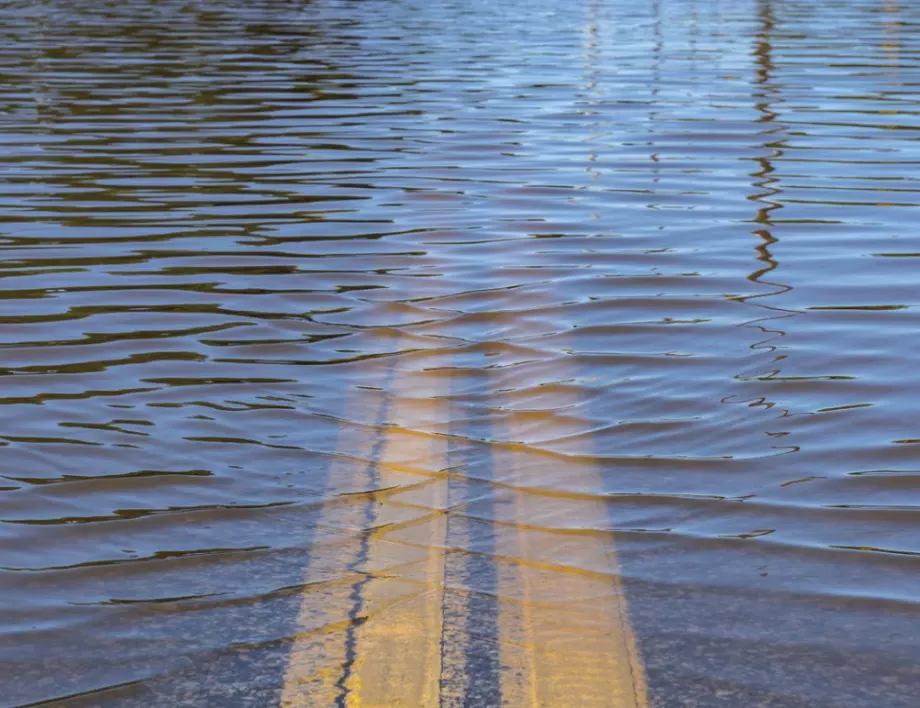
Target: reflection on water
column 304, row 300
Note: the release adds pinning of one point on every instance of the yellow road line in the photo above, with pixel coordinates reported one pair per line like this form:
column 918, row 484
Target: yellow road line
column 566, row 637
column 372, row 618
column 372, row 636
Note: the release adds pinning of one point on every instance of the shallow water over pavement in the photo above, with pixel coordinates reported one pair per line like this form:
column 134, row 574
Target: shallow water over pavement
column 473, row 326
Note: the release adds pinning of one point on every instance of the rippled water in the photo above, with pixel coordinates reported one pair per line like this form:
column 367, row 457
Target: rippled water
column 645, row 271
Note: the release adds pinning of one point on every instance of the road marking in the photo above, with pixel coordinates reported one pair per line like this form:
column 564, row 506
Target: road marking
column 371, row 636
column 566, row 636
column 372, row 618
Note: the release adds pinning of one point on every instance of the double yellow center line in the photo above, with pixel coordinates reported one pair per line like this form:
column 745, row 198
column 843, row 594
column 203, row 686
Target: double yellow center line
column 371, row 627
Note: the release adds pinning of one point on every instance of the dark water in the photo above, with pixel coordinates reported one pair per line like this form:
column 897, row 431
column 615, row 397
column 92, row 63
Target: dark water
column 671, row 242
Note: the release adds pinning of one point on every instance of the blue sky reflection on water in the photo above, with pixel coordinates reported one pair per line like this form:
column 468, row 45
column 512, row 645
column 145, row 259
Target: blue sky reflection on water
column 625, row 288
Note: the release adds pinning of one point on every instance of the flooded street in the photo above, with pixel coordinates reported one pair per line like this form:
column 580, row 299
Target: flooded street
column 455, row 353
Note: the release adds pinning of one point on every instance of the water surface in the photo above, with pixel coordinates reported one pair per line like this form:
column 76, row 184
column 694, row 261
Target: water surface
column 644, row 272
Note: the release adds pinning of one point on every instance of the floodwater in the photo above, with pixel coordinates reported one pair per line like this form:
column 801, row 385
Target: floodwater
column 463, row 353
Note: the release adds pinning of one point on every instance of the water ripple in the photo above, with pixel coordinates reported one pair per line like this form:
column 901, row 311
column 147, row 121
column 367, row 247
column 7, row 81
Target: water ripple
column 670, row 243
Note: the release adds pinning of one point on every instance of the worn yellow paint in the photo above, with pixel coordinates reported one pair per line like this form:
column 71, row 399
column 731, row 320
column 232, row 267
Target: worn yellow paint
column 566, row 637
column 390, row 656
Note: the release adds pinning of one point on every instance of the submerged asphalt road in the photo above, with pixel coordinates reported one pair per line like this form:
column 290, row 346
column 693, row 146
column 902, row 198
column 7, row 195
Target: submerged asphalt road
column 461, row 353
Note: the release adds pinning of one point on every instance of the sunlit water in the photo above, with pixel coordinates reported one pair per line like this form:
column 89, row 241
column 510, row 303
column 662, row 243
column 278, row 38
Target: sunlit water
column 672, row 241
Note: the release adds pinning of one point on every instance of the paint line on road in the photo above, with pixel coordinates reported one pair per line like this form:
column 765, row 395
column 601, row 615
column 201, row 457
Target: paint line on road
column 377, row 622
column 377, row 641
column 566, row 636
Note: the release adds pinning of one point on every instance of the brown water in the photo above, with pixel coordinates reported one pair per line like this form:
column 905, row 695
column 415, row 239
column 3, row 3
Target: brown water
column 644, row 271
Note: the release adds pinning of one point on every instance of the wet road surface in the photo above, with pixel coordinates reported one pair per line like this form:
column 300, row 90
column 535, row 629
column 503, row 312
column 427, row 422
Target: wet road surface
column 400, row 353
